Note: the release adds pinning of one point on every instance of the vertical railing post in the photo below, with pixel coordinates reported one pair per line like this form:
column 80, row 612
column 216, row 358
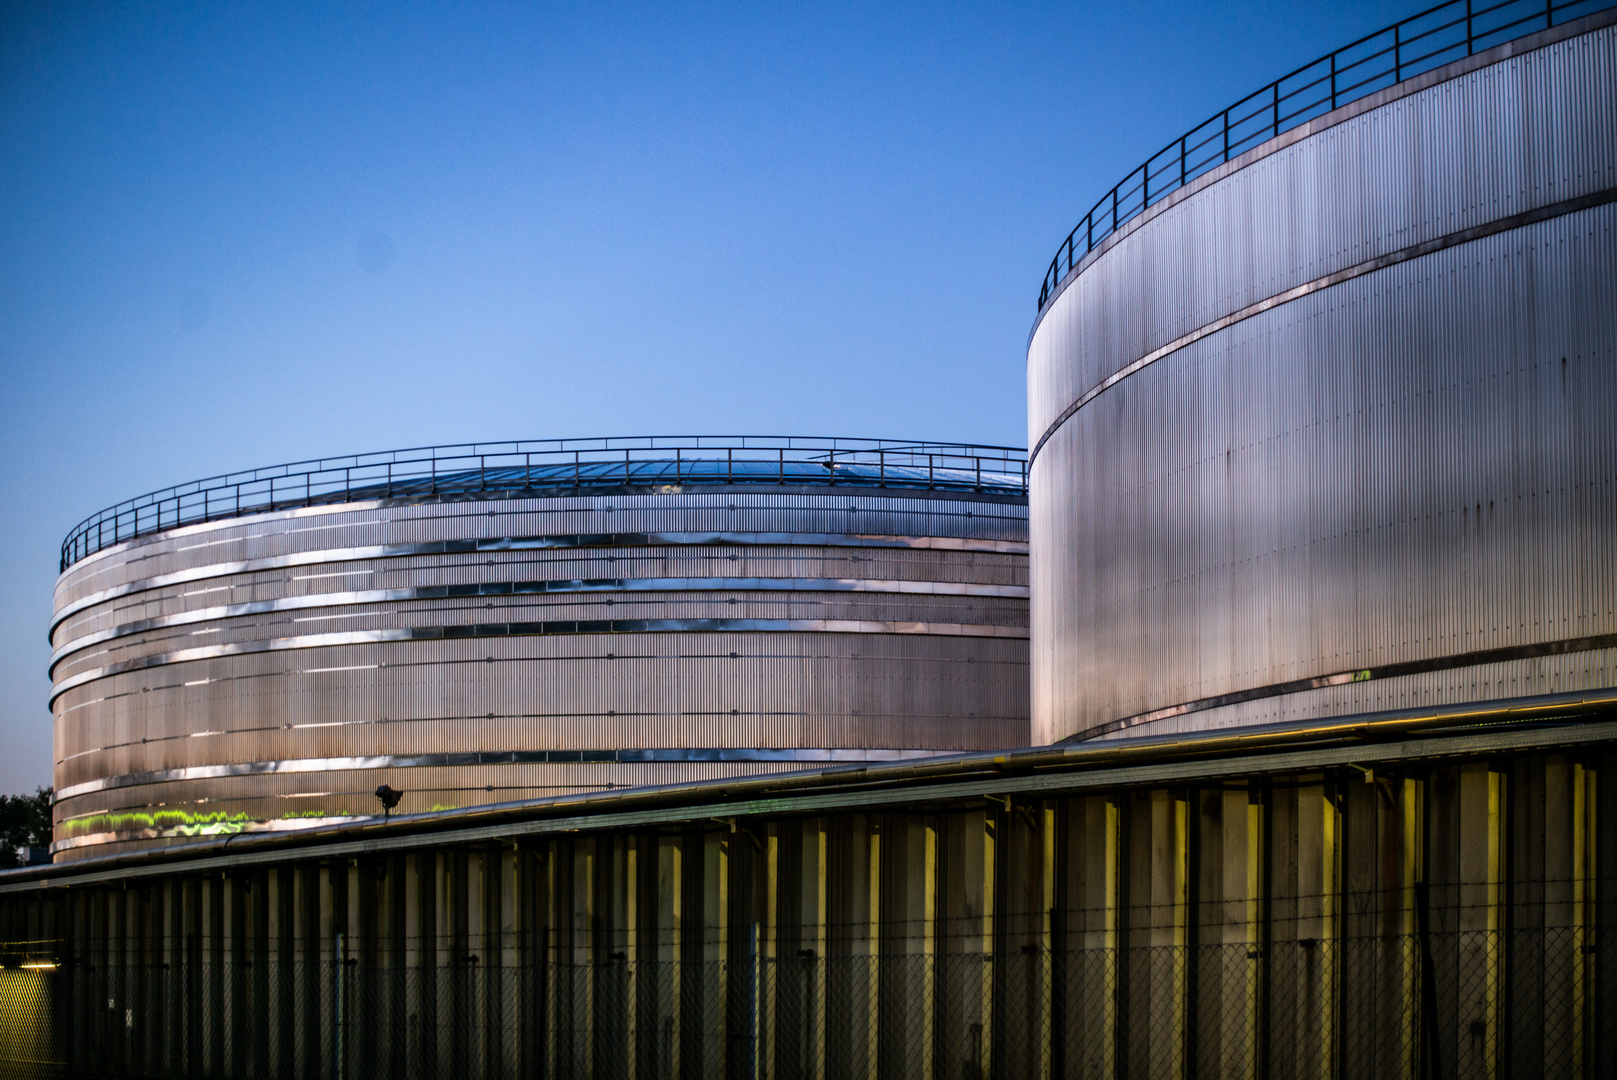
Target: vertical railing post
column 1397, row 52
column 1470, row 43
column 1226, row 135
column 1183, row 168
column 1276, row 110
column 1333, row 81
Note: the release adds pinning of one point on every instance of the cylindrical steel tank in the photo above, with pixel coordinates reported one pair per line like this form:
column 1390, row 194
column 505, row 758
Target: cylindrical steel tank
column 1329, row 428
column 483, row 624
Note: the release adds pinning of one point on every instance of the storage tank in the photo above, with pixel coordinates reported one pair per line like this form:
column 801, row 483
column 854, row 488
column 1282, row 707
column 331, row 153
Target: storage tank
column 1321, row 397
column 480, row 624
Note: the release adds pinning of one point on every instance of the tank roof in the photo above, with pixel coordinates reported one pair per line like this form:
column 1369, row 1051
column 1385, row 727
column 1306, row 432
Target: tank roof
column 521, row 469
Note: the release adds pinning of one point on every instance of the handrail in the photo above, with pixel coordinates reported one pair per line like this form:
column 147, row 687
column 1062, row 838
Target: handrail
column 1418, row 44
column 554, row 464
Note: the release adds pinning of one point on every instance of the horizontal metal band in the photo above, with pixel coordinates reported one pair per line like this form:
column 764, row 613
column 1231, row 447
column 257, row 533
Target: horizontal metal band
column 1342, row 678
column 539, row 543
column 540, row 629
column 531, row 588
column 215, row 829
column 675, row 715
column 502, row 757
column 1381, row 262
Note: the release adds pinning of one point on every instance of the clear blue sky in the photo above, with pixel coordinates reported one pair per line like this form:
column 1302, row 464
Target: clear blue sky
column 236, row 234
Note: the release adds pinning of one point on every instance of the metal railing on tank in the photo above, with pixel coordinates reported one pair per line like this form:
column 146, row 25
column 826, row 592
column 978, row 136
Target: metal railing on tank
column 1418, row 44
column 553, row 465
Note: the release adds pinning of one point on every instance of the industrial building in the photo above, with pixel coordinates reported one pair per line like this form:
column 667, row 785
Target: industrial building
column 1418, row 896
column 478, row 624
column 1303, row 596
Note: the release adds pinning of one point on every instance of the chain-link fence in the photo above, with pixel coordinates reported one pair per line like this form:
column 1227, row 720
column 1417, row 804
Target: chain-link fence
column 1461, row 1004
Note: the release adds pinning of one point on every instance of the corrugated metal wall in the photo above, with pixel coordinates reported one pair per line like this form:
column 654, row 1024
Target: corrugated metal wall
column 1440, row 920
column 1332, row 432
column 275, row 669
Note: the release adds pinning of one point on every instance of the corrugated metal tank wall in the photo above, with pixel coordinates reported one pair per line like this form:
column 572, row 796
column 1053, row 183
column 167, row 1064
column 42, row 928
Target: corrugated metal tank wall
column 1330, row 429
column 272, row 670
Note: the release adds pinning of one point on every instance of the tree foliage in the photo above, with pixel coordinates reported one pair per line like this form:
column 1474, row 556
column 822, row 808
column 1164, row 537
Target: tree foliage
column 25, row 821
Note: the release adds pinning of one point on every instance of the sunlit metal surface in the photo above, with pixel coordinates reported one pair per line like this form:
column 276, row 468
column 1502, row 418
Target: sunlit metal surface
column 531, row 543
column 226, row 675
column 527, row 588
column 1329, row 429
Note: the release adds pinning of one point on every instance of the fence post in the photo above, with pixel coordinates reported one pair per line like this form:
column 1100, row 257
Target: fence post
column 757, row 1003
column 1120, row 942
column 338, row 1057
column 1430, row 1048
